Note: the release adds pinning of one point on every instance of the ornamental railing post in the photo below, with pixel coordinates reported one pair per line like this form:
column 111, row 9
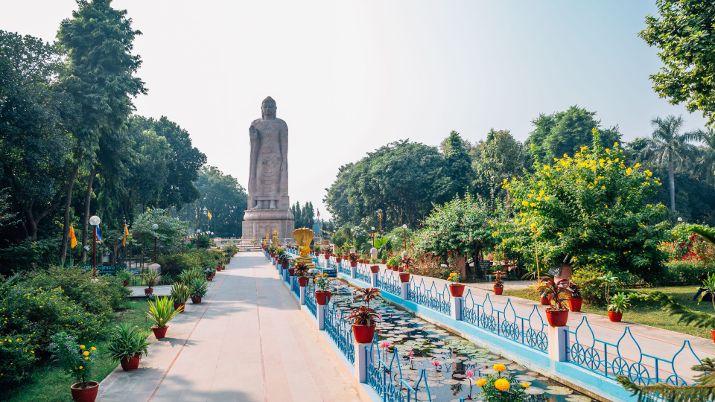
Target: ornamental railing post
column 353, row 271
column 361, row 361
column 558, row 343
column 405, row 290
column 302, row 295
column 320, row 315
column 456, row 308
column 373, row 280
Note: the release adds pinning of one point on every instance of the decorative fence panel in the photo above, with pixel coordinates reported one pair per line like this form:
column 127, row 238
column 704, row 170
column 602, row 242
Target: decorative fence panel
column 625, row 357
column 529, row 330
column 384, row 375
column 340, row 331
column 295, row 287
column 363, row 273
column 310, row 298
column 389, row 282
column 430, row 296
column 344, row 268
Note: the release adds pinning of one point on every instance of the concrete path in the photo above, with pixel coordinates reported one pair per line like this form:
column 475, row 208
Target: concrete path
column 248, row 341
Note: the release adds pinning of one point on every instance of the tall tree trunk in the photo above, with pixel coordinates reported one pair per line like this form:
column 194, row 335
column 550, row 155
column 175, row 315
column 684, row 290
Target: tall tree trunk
column 68, row 205
column 87, row 204
column 671, row 184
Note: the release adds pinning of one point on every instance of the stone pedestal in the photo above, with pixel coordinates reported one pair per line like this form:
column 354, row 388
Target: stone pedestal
column 259, row 222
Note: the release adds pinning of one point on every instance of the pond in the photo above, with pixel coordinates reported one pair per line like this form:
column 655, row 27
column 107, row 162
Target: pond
column 445, row 356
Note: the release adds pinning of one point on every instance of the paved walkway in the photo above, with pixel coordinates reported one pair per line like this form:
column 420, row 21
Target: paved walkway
column 248, row 341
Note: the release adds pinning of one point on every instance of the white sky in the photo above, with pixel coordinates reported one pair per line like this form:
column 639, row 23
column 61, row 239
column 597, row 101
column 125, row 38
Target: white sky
column 350, row 76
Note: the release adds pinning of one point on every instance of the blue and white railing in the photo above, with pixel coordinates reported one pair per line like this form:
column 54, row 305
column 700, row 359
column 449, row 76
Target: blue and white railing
column 384, row 375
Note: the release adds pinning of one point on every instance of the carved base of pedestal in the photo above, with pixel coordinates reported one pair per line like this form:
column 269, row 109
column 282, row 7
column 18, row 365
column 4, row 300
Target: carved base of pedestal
column 305, row 260
column 257, row 223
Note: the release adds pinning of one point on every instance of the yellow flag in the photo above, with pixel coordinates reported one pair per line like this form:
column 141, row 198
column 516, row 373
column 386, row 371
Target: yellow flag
column 209, row 215
column 73, row 238
column 126, row 235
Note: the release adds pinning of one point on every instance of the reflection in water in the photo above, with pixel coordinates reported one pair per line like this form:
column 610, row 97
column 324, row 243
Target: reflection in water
column 446, row 357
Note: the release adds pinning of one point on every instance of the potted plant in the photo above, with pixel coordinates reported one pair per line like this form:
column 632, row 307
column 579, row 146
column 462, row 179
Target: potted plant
column 127, row 345
column 301, row 270
column 322, row 294
column 557, row 314
column 77, row 360
column 404, row 269
column 161, row 311
column 210, row 274
column 456, row 289
column 393, row 262
column 575, row 301
column 353, row 259
column 338, row 255
column 124, row 276
column 180, row 293
column 198, row 287
column 620, row 302
column 150, row 279
column 283, row 259
column 291, row 268
column 498, row 285
column 364, row 318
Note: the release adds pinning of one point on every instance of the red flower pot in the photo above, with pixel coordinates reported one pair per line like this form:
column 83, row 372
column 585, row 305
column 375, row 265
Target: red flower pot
column 209, row 278
column 303, row 281
column 614, row 316
column 384, row 260
column 322, row 297
column 390, row 267
column 456, row 289
column 363, row 333
column 575, row 304
column 374, row 269
column 148, row 291
column 712, row 333
column 498, row 290
column 285, row 265
column 404, row 277
column 338, row 259
column 353, row 264
column 196, row 299
column 178, row 306
column 291, row 271
column 557, row 318
column 130, row 363
column 545, row 300
column 85, row 394
column 160, row 332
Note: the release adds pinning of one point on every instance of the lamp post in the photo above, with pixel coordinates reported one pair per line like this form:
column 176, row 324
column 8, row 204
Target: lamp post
column 372, row 233
column 94, row 221
column 404, row 228
column 154, row 227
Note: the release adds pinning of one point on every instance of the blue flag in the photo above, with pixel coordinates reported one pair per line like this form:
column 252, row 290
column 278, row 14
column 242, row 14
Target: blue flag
column 98, row 233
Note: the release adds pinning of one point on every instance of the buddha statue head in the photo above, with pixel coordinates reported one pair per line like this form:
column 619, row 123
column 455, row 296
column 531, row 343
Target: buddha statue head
column 268, row 108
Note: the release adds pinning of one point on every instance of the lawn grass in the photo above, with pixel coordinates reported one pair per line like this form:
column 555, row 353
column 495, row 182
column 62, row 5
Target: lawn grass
column 645, row 313
column 49, row 383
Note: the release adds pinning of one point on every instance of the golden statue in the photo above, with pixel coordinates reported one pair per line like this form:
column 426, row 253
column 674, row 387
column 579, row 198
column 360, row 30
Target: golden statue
column 303, row 237
column 275, row 238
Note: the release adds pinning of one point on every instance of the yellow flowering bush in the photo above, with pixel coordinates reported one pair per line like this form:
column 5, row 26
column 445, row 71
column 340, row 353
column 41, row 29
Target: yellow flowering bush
column 592, row 207
column 501, row 388
column 74, row 358
column 17, row 358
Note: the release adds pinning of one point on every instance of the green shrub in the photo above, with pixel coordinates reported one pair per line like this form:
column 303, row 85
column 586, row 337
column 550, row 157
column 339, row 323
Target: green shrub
column 684, row 273
column 99, row 296
column 17, row 359
column 592, row 286
column 175, row 264
column 28, row 255
column 41, row 313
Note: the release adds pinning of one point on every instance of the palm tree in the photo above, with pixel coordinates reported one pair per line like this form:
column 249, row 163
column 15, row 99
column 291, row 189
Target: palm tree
column 669, row 149
column 707, row 157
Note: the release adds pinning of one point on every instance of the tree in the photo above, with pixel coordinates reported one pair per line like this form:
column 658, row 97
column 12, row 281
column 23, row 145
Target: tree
column 304, row 216
column 669, row 149
column 98, row 41
column 402, row 178
column 593, row 210
column 34, row 143
column 184, row 163
column 168, row 235
column 683, row 33
column 463, row 226
column 457, row 165
column 565, row 132
column 497, row 158
column 224, row 197
column 707, row 155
